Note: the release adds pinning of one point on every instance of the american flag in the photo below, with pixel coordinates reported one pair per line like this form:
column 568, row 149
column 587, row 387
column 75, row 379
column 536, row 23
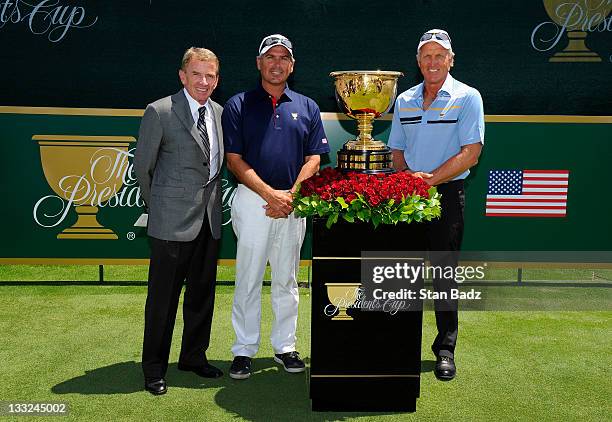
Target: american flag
column 527, row 193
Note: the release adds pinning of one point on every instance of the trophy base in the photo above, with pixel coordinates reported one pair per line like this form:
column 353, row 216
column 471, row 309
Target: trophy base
column 564, row 57
column 576, row 50
column 369, row 161
column 87, row 226
column 342, row 318
column 84, row 233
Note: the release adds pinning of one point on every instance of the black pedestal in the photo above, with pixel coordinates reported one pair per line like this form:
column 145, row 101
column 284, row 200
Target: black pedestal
column 372, row 362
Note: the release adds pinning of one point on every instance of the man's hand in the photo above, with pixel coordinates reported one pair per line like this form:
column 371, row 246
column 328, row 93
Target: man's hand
column 457, row 164
column 279, row 202
column 425, row 176
column 274, row 214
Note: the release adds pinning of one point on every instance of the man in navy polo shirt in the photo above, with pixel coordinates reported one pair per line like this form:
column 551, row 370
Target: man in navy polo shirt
column 437, row 134
column 273, row 139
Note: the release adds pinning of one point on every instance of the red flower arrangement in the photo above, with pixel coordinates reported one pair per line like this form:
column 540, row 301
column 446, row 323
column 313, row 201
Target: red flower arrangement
column 379, row 198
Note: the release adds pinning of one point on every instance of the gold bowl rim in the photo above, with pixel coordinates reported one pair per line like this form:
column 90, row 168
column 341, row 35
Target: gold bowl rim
column 366, row 72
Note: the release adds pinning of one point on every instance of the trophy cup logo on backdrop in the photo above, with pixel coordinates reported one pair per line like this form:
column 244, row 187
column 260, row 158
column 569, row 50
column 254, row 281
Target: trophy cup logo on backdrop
column 84, row 171
column 577, row 18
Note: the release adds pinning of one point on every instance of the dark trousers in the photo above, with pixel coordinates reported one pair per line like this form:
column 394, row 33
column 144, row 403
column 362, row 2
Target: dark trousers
column 173, row 264
column 444, row 241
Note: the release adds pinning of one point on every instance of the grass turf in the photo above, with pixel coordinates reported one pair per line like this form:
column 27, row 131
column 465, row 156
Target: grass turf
column 111, row 273
column 81, row 345
column 227, row 273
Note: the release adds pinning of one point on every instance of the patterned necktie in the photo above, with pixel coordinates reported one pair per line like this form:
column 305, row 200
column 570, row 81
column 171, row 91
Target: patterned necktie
column 204, row 133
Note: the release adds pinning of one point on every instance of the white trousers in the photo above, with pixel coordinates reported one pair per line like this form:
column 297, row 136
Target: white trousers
column 262, row 239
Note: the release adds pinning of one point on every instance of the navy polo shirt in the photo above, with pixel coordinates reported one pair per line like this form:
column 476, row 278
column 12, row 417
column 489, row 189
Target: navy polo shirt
column 273, row 140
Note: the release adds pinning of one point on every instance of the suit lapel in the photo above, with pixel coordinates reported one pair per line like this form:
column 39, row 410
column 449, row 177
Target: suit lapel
column 180, row 107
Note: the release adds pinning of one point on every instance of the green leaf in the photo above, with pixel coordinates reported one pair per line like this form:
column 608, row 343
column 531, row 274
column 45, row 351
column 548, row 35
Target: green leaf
column 342, row 202
column 407, row 209
column 331, row 220
column 376, row 219
column 349, row 217
column 364, row 214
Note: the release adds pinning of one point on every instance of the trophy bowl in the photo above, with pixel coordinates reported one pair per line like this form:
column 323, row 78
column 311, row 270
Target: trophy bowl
column 365, row 95
column 85, row 171
column 574, row 16
column 342, row 296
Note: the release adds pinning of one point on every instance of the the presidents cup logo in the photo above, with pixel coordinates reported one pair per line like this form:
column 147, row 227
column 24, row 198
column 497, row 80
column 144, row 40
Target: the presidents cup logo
column 577, row 18
column 92, row 172
column 341, row 296
column 85, row 172
column 52, row 18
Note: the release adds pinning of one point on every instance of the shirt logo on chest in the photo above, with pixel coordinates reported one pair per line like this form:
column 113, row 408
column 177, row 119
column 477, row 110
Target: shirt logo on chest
column 294, row 115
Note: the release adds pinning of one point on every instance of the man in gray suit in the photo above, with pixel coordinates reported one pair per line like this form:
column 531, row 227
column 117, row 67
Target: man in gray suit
column 177, row 162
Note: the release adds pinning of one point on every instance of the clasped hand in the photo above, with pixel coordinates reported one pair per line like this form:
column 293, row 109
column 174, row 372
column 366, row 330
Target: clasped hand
column 280, row 204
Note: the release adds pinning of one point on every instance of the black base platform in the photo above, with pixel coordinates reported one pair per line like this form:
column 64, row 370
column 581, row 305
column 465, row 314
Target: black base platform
column 371, row 362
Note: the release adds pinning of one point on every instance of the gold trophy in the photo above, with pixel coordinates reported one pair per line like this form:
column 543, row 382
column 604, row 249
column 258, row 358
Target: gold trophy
column 365, row 95
column 342, row 295
column 85, row 171
column 573, row 15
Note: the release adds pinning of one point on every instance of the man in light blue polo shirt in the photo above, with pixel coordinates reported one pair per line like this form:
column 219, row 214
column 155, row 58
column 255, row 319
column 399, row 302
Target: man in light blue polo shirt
column 437, row 134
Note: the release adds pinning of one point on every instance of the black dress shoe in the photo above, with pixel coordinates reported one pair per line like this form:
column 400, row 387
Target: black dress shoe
column 206, row 370
column 156, row 386
column 445, row 368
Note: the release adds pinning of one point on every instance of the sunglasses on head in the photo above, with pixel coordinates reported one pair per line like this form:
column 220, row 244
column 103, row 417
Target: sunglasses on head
column 276, row 40
column 441, row 36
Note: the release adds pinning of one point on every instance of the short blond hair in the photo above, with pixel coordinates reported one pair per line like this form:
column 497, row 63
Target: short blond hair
column 199, row 53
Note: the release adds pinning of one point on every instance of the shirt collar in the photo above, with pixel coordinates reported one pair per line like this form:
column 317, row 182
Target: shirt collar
column 195, row 106
column 447, row 87
column 263, row 94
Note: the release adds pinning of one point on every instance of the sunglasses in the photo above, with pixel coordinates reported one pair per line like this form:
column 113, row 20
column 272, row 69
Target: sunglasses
column 276, row 40
column 441, row 36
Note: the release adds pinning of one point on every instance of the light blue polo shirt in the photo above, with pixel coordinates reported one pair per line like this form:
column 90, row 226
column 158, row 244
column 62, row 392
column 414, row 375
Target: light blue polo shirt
column 430, row 137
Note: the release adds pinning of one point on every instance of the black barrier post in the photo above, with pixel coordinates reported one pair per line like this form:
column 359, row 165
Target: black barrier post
column 101, row 273
column 519, row 275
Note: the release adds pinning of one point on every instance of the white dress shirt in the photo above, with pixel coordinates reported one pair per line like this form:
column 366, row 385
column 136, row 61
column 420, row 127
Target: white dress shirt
column 211, row 128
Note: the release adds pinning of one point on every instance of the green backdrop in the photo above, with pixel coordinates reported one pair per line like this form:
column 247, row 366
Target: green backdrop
column 581, row 148
column 125, row 54
column 114, row 58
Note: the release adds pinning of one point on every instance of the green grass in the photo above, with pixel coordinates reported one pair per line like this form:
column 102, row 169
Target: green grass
column 227, row 273
column 81, row 344
column 111, row 273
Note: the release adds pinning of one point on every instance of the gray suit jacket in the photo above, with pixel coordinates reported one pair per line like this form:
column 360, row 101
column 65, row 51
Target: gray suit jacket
column 169, row 166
